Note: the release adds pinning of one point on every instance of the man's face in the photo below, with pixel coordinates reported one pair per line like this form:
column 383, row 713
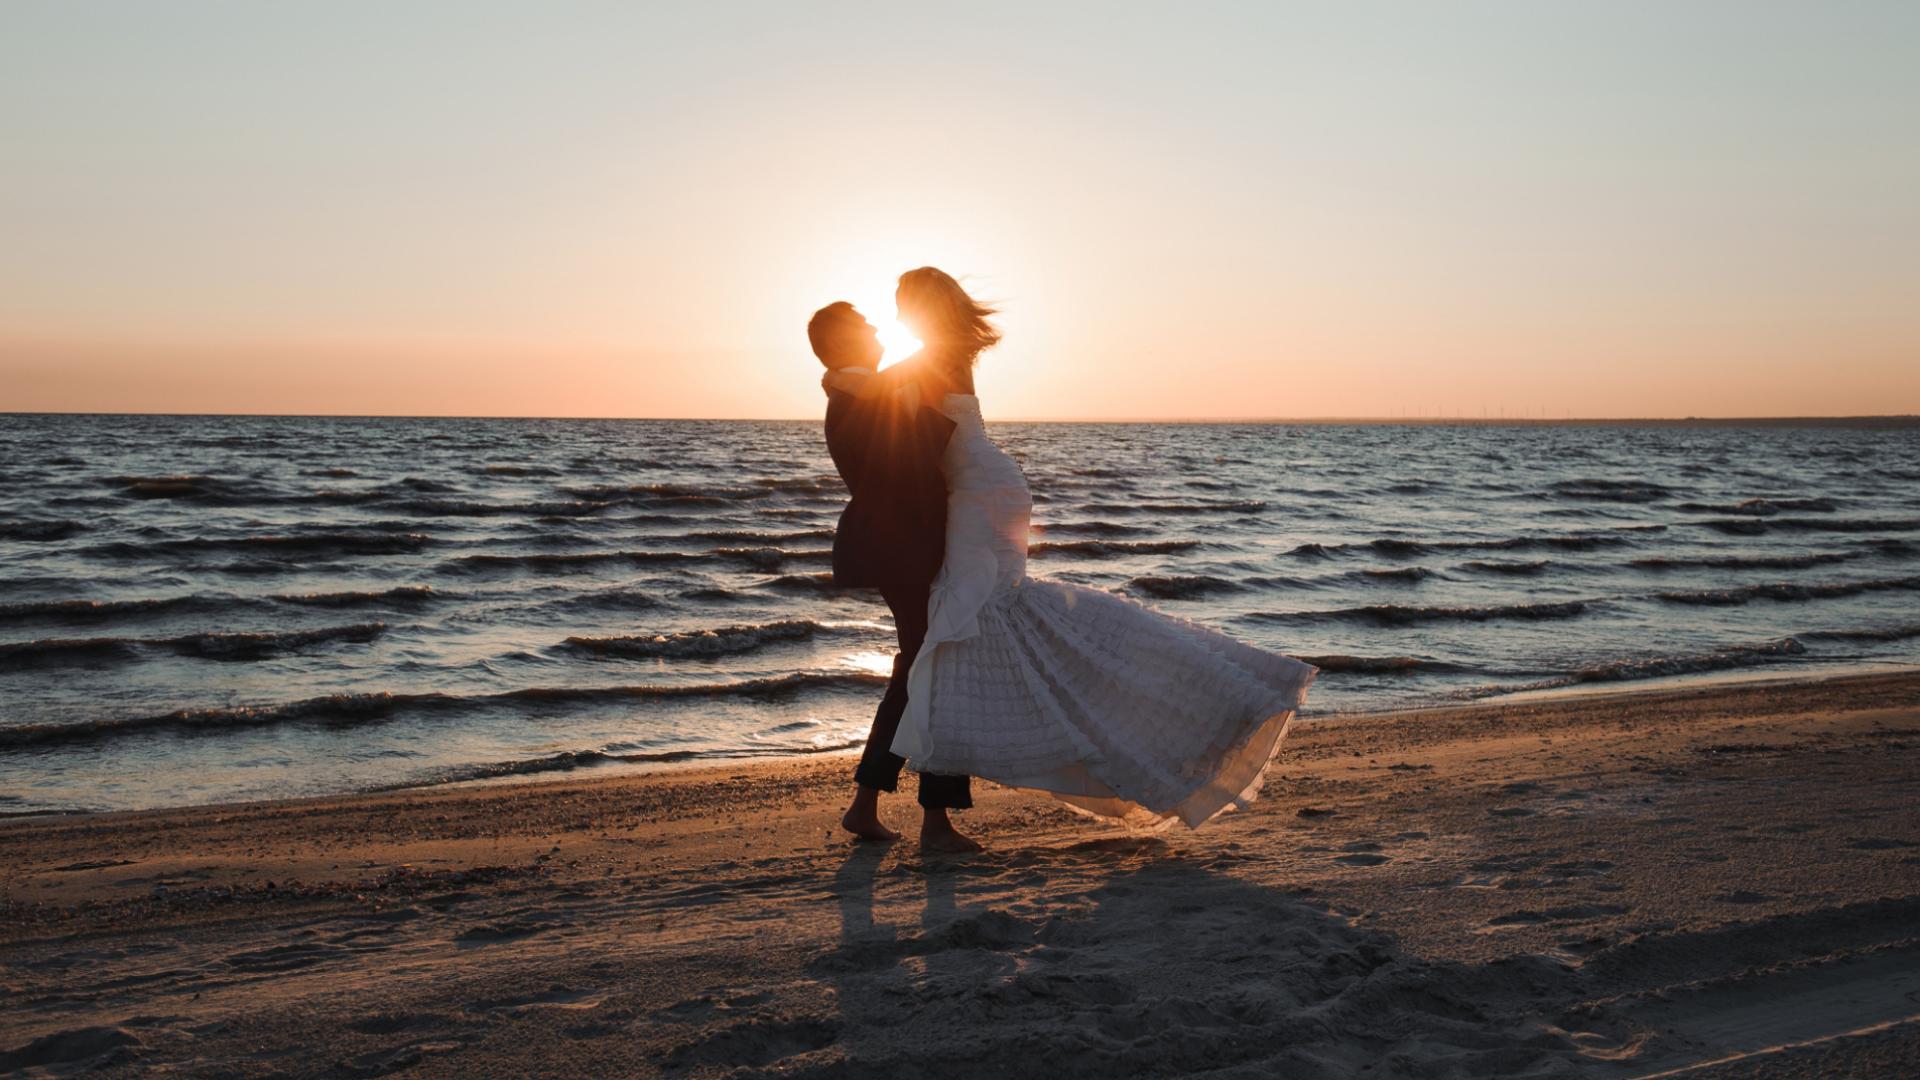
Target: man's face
column 859, row 342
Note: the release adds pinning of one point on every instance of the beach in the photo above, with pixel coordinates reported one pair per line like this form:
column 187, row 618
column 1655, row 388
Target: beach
column 1723, row 879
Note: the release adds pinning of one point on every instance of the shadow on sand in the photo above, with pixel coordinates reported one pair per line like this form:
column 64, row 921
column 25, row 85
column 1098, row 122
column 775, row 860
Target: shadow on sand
column 1119, row 957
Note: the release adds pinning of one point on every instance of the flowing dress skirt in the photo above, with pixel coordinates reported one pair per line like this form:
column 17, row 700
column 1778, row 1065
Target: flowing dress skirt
column 1114, row 708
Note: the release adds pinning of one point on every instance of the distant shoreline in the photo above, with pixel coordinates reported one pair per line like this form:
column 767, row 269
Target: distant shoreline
column 1898, row 422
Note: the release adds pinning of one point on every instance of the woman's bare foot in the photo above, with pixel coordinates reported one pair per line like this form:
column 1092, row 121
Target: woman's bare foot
column 862, row 819
column 938, row 834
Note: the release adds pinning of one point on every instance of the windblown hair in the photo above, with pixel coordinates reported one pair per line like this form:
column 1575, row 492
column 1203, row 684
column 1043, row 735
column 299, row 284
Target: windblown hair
column 820, row 328
column 941, row 313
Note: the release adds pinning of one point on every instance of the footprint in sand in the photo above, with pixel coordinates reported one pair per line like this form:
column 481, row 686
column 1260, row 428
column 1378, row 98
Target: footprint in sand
column 506, row 930
column 1567, row 913
column 284, row 957
column 754, row 1043
column 386, row 1062
column 1362, row 853
column 558, row 996
column 394, row 1023
column 1580, row 868
column 720, row 1000
column 81, row 1049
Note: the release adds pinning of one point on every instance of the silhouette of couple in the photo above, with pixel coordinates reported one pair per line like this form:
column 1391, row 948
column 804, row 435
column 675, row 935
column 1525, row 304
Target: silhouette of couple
column 1110, row 706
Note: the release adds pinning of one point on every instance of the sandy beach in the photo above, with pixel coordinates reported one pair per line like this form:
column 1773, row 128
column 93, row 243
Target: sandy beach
column 1720, row 880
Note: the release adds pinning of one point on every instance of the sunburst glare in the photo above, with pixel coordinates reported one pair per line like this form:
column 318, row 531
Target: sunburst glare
column 898, row 341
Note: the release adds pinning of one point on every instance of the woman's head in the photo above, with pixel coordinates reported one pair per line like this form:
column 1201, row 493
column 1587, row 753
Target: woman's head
column 943, row 316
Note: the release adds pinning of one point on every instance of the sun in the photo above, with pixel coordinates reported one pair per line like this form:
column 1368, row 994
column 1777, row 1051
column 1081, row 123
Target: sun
column 875, row 301
column 896, row 339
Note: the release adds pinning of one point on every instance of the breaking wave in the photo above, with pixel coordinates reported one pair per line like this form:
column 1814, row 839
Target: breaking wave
column 1380, row 665
column 1656, row 667
column 708, row 644
column 259, row 645
column 571, row 760
column 1761, row 526
column 803, row 583
column 1182, row 586
column 342, row 710
column 90, row 611
column 1406, row 615
column 562, row 561
column 1109, row 549
column 1599, row 490
column 1744, row 562
column 1891, row 633
column 1509, row 569
column 40, row 530
column 1787, row 591
column 1761, row 507
column 399, row 594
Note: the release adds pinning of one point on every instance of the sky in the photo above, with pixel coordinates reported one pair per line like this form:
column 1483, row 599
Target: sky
column 1192, row 210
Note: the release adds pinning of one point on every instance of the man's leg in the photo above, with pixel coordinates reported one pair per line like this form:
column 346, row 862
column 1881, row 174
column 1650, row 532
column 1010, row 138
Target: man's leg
column 879, row 768
column 938, row 793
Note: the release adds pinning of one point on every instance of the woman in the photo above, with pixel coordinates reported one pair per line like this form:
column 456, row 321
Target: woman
column 1112, row 707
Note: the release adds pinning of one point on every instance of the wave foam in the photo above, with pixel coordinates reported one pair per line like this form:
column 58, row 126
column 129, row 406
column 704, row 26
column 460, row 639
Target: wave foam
column 1109, row 549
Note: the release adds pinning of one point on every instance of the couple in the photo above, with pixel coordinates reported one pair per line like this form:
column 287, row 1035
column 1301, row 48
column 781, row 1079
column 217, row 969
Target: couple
column 1113, row 708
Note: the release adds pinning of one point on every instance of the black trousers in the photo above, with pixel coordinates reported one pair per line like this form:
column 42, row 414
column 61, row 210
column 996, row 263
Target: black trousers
column 879, row 766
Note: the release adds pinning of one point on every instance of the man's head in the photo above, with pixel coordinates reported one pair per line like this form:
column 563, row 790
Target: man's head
column 842, row 337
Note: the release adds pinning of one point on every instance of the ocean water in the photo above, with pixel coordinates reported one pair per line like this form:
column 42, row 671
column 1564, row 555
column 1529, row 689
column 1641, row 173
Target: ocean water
column 196, row 609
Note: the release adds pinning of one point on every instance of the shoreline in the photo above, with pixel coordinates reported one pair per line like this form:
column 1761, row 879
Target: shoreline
column 593, row 771
column 1608, row 885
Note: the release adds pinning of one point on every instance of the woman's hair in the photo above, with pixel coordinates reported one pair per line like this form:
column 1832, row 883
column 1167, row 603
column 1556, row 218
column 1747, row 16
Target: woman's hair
column 942, row 315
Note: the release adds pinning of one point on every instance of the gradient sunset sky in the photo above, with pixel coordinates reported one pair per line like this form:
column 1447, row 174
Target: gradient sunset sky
column 1186, row 210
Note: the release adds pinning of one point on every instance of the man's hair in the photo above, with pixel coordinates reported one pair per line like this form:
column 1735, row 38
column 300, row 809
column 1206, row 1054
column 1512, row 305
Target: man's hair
column 820, row 328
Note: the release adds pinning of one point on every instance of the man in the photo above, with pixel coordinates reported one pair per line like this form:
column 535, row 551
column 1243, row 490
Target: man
column 892, row 537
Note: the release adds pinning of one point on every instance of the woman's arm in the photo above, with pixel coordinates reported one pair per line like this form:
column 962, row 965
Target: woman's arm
column 856, row 381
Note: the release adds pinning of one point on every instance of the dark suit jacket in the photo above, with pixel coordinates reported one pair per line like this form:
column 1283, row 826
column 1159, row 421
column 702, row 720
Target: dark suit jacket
column 894, row 529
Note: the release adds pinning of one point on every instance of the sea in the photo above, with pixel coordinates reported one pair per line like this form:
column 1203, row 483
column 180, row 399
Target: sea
column 198, row 609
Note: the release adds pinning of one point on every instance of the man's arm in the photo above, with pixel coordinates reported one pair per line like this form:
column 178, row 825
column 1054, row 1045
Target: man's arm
column 890, row 447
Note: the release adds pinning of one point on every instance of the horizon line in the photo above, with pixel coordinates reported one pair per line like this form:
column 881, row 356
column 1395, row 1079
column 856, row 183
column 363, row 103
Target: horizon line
column 1880, row 420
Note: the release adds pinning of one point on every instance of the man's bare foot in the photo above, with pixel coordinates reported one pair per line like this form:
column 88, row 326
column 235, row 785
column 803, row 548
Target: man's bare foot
column 938, row 834
column 862, row 819
column 867, row 826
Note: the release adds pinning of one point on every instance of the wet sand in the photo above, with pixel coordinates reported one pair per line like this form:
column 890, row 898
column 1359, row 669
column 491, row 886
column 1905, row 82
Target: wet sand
column 1723, row 880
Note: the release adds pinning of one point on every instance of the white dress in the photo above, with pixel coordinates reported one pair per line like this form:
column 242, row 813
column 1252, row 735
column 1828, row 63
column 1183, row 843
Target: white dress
column 1112, row 707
